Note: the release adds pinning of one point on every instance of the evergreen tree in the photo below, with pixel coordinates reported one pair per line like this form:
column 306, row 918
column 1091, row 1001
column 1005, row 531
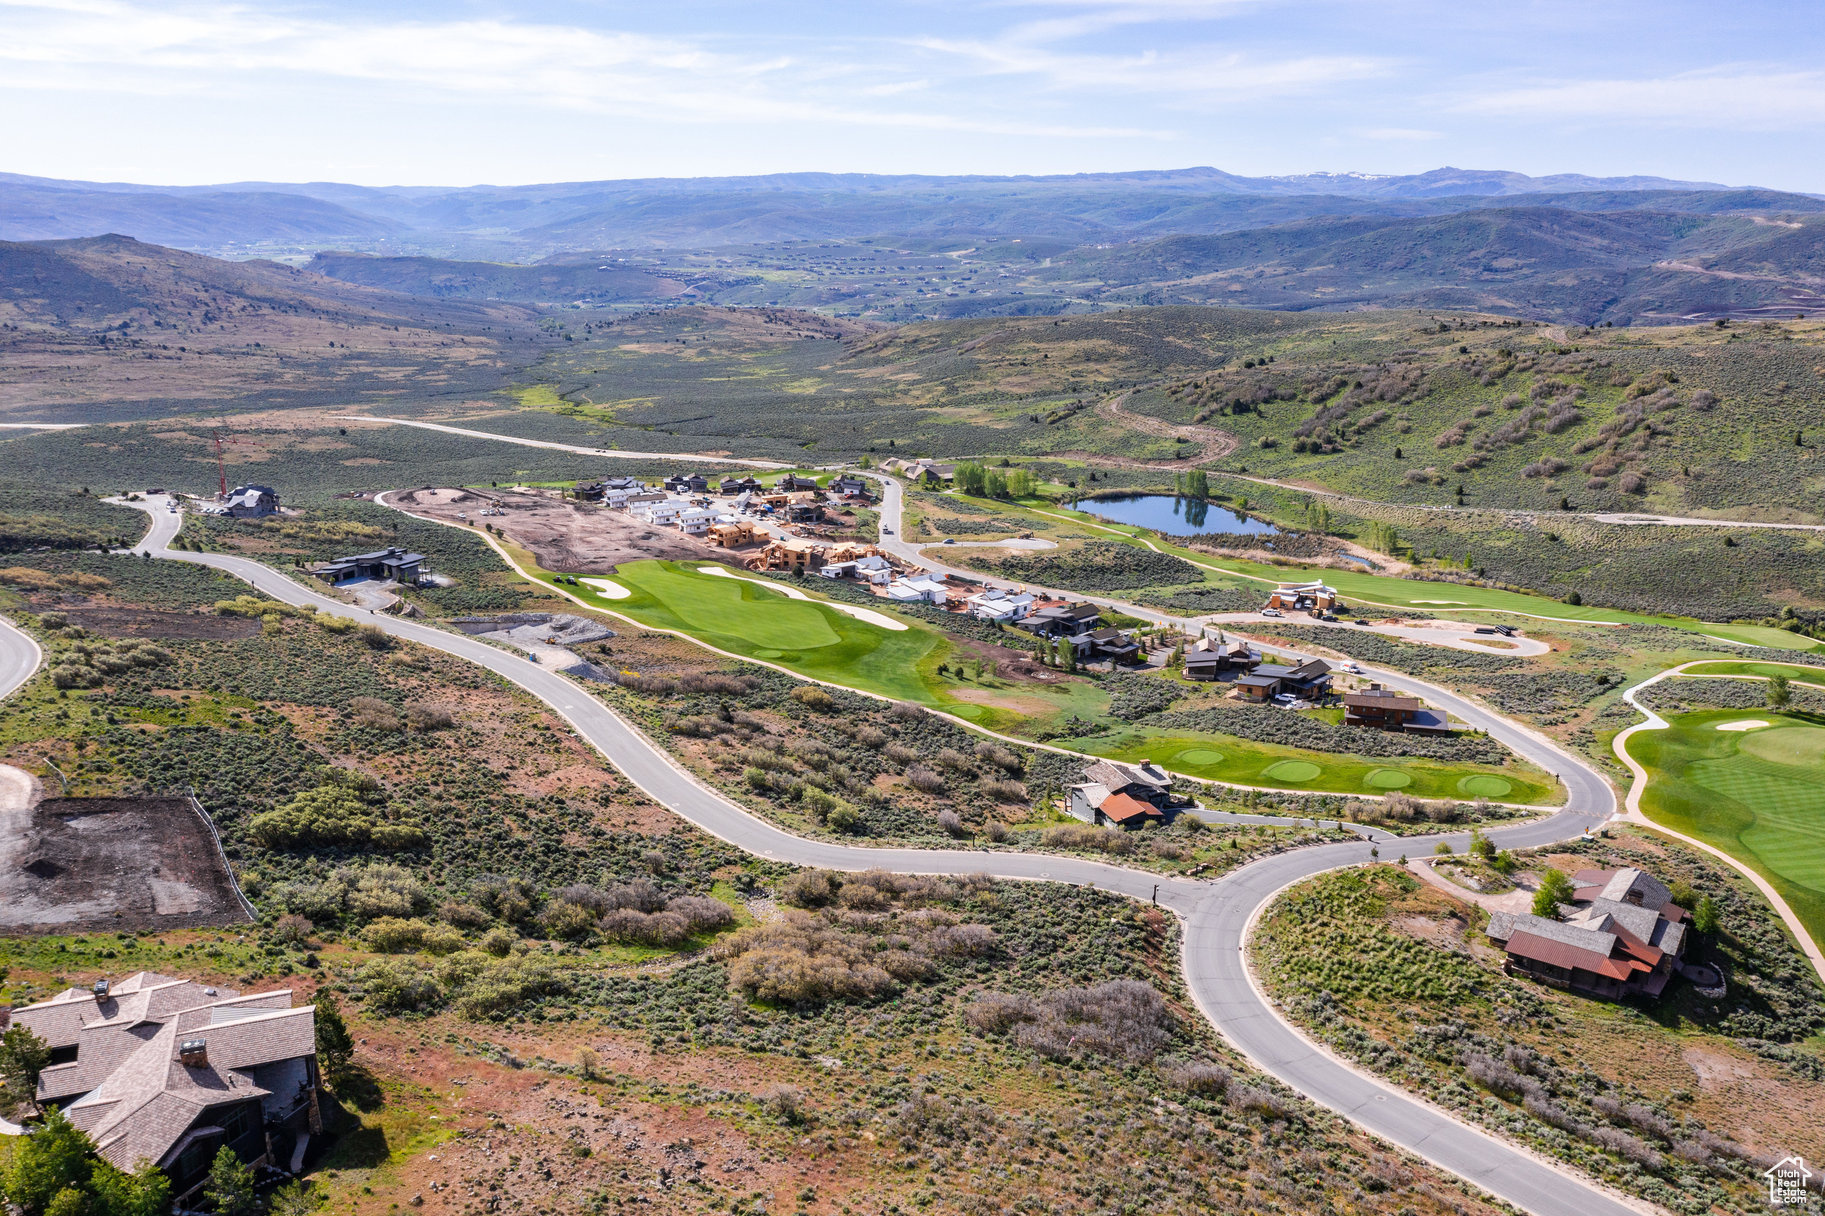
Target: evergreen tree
column 23, row 1055
column 231, row 1184
column 1706, row 917
column 1780, row 690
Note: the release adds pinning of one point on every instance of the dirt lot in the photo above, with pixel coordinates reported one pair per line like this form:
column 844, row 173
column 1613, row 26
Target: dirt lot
column 564, row 536
column 144, row 622
column 70, row 864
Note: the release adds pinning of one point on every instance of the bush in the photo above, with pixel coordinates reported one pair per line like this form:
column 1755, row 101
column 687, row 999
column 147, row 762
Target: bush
column 1122, row 1018
column 812, row 697
column 951, row 824
column 424, row 717
column 396, row 986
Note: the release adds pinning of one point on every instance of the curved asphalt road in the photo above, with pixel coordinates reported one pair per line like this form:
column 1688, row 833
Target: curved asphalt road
column 1216, row 915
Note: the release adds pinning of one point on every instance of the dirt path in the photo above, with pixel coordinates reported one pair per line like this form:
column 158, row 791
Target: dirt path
column 1212, row 444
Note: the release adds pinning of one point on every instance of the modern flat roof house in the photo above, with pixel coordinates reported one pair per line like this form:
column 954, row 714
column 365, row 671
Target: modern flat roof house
column 1310, row 680
column 392, row 563
column 168, row 1071
column 1624, row 937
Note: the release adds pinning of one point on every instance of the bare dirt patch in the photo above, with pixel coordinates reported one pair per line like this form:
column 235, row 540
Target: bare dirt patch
column 563, row 535
column 150, row 623
column 116, row 864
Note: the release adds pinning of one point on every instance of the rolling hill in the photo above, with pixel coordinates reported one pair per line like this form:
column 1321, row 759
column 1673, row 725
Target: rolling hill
column 112, row 327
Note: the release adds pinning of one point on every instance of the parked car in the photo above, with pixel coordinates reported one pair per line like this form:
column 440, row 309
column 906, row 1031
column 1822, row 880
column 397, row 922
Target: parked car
column 1287, row 699
column 1270, row 612
column 950, row 540
column 1352, row 668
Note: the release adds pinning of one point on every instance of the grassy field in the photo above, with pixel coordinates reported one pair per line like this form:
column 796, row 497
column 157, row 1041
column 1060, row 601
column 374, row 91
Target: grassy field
column 1246, row 762
column 1757, row 794
column 1377, row 589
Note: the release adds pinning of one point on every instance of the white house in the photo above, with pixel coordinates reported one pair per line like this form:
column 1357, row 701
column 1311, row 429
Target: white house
column 914, row 590
column 871, row 569
column 696, row 521
column 661, row 514
column 996, row 604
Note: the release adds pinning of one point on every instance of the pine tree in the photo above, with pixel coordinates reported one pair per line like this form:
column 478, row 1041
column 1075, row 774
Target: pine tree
column 335, row 1045
column 231, row 1184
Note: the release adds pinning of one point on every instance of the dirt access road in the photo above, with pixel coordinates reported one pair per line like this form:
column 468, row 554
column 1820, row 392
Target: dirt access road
column 1210, row 442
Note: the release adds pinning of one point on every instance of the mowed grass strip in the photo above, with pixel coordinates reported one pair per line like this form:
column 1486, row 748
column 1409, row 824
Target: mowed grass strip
column 1759, row 795
column 1247, row 762
column 1799, row 673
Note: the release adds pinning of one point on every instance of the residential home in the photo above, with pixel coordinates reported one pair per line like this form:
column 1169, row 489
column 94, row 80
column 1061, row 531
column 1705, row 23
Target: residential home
column 997, row 604
column 1624, row 937
column 804, row 508
column 872, row 569
column 733, row 535
column 631, row 484
column 1059, row 618
column 1114, row 645
column 849, row 487
column 920, row 588
column 662, row 514
column 1208, row 659
column 1315, row 598
column 687, row 483
column 737, row 485
column 588, row 491
column 792, row 483
column 393, row 563
column 696, row 521
column 1387, row 710
column 1142, row 783
column 251, row 502
column 169, row 1071
column 1309, row 680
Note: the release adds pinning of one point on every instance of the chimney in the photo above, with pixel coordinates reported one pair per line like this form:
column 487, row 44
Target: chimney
column 194, row 1053
column 100, row 989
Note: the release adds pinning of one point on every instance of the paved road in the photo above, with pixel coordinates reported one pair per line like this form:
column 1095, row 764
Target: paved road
column 1216, row 915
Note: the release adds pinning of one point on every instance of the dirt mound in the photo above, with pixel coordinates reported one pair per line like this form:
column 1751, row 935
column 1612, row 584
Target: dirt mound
column 562, row 535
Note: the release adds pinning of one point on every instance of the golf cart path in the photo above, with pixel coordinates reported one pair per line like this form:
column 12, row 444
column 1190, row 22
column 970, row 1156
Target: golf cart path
column 1217, row 915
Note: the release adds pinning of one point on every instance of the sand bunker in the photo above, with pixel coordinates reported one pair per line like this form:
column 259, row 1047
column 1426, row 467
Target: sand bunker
column 606, row 589
column 867, row 616
column 1745, row 724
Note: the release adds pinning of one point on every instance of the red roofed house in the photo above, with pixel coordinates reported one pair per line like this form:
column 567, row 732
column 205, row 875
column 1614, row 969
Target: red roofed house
column 1124, row 795
column 168, row 1071
column 1624, row 937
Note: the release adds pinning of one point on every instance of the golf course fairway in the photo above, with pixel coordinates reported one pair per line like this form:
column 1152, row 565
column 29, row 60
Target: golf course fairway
column 1758, row 794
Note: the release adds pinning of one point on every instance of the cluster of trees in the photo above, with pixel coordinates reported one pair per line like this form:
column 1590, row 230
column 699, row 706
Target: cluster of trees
column 1556, row 889
column 982, row 482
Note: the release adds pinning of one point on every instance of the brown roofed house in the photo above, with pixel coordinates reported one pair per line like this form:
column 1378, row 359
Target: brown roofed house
column 1624, row 937
column 168, row 1071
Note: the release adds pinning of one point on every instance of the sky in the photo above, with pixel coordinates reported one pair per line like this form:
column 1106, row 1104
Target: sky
column 469, row 91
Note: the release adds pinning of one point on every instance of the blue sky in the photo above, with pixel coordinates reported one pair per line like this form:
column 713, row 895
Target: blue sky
column 464, row 92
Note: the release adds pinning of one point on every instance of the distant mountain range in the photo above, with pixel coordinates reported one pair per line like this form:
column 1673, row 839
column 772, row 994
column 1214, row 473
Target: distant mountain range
column 1565, row 247
column 528, row 222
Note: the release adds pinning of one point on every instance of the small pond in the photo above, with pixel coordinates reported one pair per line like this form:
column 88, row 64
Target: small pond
column 1173, row 515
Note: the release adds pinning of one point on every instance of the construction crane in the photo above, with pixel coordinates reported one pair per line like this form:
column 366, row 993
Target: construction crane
column 221, row 468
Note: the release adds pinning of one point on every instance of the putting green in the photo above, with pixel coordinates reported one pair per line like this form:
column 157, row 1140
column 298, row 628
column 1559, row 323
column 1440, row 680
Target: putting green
column 1802, row 745
column 1484, row 786
column 1293, row 770
column 1388, row 779
column 1201, row 755
column 1758, row 795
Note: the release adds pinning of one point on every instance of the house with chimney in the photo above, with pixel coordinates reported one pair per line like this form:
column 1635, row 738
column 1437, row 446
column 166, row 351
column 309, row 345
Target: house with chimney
column 1621, row 936
column 169, row 1071
column 1309, row 681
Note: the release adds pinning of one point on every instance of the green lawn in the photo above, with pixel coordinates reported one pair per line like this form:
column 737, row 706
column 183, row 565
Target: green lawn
column 1246, row 762
column 753, row 619
column 1797, row 672
column 1759, row 795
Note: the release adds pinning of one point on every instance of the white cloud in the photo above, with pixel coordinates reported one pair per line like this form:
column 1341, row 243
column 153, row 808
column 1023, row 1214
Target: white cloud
column 1731, row 98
